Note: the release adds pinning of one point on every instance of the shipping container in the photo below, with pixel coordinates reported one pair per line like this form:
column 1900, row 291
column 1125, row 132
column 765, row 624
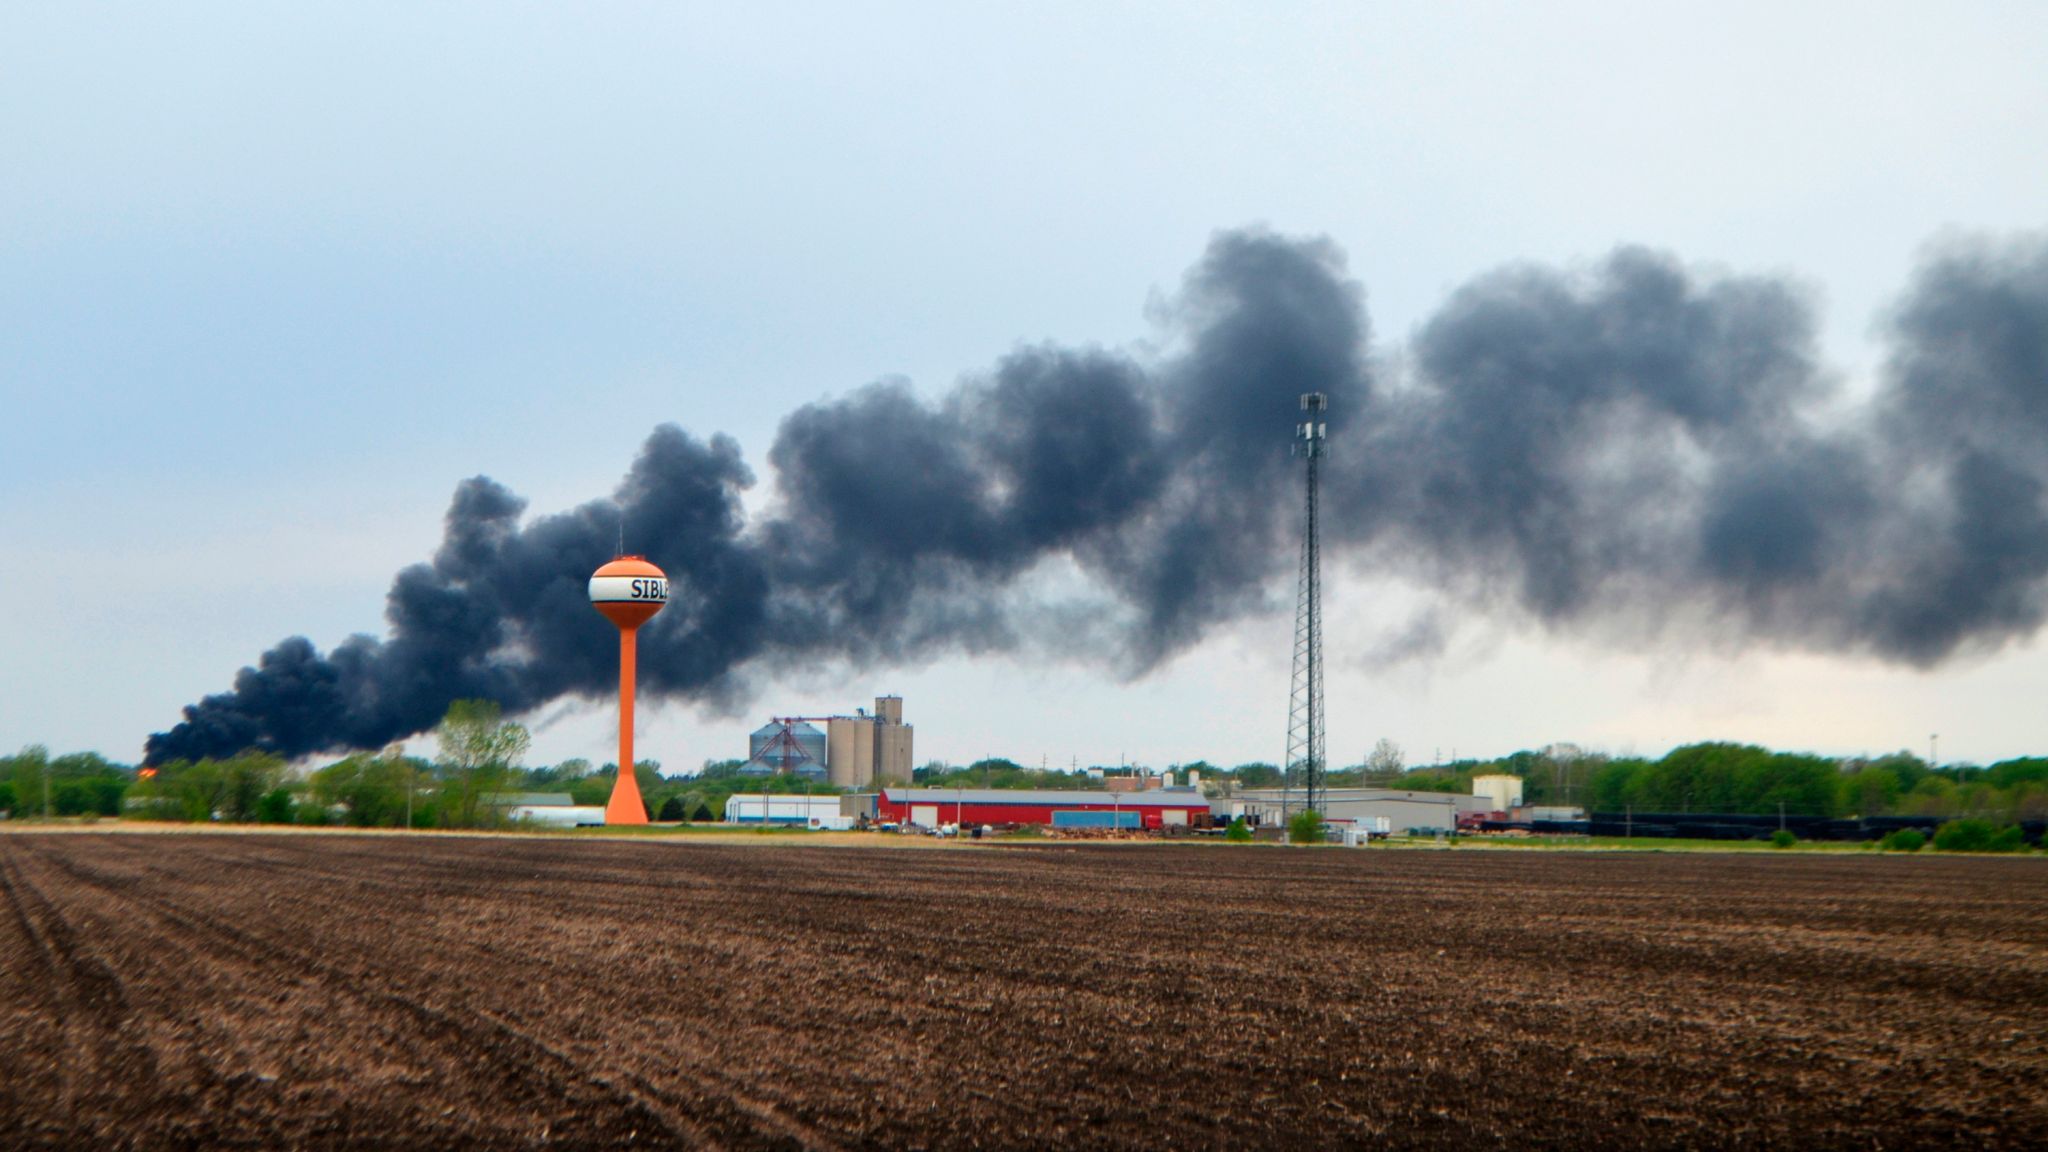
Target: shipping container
column 1096, row 819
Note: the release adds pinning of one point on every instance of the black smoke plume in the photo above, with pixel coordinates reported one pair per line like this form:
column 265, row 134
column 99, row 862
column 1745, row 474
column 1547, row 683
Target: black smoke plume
column 1634, row 447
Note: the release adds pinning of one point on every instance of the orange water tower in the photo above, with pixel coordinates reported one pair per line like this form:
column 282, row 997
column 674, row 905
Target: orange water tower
column 629, row 591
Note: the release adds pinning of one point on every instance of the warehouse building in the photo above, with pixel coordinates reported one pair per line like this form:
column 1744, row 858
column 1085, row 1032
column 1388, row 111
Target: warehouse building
column 546, row 810
column 1404, row 811
column 788, row 811
column 935, row 807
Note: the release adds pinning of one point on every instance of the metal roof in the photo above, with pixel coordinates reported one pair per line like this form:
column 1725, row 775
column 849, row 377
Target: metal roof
column 1156, row 798
column 1333, row 795
column 533, row 800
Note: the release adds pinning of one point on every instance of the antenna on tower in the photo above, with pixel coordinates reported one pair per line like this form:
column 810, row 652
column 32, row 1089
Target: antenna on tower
column 1305, row 699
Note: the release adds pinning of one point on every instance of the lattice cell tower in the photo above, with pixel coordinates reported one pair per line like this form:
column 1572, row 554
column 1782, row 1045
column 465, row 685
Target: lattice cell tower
column 1305, row 703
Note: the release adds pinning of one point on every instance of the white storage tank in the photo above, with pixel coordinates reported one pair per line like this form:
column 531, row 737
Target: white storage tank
column 1503, row 792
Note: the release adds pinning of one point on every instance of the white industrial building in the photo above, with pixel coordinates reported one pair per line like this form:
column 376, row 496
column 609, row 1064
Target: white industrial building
column 548, row 810
column 1403, row 810
column 823, row 813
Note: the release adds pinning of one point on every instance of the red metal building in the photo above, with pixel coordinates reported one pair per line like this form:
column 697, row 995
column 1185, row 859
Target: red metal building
column 932, row 807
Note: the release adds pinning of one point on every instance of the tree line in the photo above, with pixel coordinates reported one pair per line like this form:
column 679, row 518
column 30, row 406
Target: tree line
column 477, row 769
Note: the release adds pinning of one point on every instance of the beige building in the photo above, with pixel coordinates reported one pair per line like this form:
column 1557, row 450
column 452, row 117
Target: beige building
column 861, row 751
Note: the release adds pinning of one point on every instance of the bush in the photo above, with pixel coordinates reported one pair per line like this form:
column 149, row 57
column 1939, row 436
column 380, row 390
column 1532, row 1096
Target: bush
column 672, row 810
column 1903, row 840
column 7, row 800
column 72, row 797
column 109, row 796
column 1783, row 838
column 1978, row 836
column 1306, row 827
column 275, row 807
column 1963, row 836
column 1239, row 832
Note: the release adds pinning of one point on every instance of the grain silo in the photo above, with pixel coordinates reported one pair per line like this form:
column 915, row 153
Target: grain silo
column 786, row 746
column 863, row 749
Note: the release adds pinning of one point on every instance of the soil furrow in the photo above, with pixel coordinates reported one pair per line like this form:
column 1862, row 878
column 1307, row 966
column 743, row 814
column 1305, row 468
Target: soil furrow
column 342, row 992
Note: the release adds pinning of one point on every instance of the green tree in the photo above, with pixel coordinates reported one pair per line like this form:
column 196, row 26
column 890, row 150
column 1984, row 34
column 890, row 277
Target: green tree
column 1964, row 836
column 1903, row 840
column 1789, row 782
column 75, row 798
column 373, row 791
column 29, row 771
column 2026, row 770
column 1620, row 784
column 1869, row 791
column 276, row 807
column 7, row 799
column 86, row 766
column 1256, row 775
column 245, row 780
column 557, row 776
column 593, row 790
column 1305, row 827
column 226, row 790
column 479, row 753
column 2010, row 838
column 1932, row 796
column 1239, row 832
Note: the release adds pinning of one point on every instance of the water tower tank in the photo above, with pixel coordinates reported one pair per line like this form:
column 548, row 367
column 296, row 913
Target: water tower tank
column 629, row 591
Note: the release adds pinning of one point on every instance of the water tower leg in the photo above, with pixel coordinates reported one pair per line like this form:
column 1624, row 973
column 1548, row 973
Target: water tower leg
column 625, row 806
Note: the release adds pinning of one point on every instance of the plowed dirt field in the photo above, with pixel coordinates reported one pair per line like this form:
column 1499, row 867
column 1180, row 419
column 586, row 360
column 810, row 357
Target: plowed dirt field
column 219, row 991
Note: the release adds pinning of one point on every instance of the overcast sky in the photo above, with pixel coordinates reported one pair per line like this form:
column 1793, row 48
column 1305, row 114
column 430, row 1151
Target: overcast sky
column 277, row 277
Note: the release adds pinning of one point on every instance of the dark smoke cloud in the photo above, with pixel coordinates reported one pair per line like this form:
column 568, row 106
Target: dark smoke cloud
column 1634, row 446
